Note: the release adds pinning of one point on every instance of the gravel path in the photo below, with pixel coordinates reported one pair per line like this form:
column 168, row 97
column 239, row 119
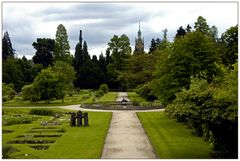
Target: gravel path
column 121, row 96
column 126, row 138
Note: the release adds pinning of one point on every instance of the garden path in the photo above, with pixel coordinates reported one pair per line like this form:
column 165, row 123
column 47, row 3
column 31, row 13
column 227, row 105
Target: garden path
column 126, row 138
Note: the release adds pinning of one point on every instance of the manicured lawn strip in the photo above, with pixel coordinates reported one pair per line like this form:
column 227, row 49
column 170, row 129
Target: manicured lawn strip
column 109, row 97
column 133, row 96
column 78, row 98
column 76, row 142
column 171, row 139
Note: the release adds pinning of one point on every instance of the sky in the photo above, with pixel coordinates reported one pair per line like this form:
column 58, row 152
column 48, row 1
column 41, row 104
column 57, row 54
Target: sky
column 99, row 22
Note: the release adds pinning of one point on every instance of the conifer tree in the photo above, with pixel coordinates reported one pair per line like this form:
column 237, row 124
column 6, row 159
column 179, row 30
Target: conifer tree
column 62, row 46
column 7, row 49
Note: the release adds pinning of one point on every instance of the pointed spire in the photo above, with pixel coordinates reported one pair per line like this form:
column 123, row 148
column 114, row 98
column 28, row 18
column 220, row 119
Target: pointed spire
column 139, row 32
column 80, row 37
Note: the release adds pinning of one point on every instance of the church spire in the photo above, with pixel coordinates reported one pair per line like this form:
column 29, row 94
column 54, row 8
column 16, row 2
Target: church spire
column 139, row 32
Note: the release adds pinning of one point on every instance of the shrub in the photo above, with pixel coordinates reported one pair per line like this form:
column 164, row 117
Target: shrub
column 146, row 92
column 99, row 93
column 104, row 88
column 45, row 112
column 16, row 120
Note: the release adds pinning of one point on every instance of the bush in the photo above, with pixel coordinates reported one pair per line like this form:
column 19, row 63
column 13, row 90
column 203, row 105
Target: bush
column 8, row 91
column 16, row 120
column 45, row 112
column 146, row 92
column 7, row 150
column 99, row 93
column 212, row 111
column 104, row 88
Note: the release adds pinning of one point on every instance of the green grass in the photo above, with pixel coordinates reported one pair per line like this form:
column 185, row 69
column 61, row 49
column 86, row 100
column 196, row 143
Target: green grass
column 76, row 142
column 83, row 96
column 171, row 139
column 109, row 97
column 133, row 96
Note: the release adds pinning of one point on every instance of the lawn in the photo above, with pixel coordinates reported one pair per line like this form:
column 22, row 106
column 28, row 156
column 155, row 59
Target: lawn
column 63, row 141
column 83, row 96
column 171, row 139
column 134, row 97
column 109, row 97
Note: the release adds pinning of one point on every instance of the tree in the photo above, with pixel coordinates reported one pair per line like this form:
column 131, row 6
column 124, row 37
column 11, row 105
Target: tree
column 229, row 43
column 62, row 46
column 189, row 56
column 78, row 58
column 137, row 71
column 214, row 32
column 211, row 110
column 46, row 85
column 153, row 46
column 104, row 88
column 44, row 53
column 201, row 25
column 108, row 57
column 30, row 93
column 188, row 29
column 8, row 91
column 85, row 53
column 12, row 73
column 7, row 49
column 121, row 49
column 66, row 76
column 180, row 32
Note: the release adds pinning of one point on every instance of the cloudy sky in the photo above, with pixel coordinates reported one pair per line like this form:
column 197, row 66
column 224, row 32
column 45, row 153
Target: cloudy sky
column 25, row 22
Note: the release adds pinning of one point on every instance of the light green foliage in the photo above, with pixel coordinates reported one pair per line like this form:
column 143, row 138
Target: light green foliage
column 53, row 82
column 173, row 140
column 120, row 49
column 30, row 93
column 104, row 88
column 62, row 46
column 201, row 25
column 189, row 56
column 66, row 76
column 8, row 91
column 46, row 84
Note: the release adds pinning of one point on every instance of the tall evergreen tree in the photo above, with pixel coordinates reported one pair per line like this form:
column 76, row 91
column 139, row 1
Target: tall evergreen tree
column 7, row 49
column 85, row 53
column 78, row 59
column 108, row 57
column 188, row 29
column 180, row 32
column 153, row 46
column 62, row 46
